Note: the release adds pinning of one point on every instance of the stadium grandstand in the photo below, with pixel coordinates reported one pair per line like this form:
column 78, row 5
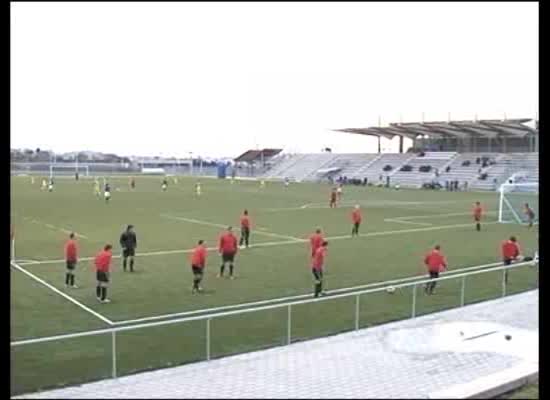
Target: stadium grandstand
column 478, row 154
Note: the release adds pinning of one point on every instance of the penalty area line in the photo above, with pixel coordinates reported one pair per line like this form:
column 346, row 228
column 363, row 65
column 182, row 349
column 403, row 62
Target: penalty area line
column 206, row 223
column 59, row 292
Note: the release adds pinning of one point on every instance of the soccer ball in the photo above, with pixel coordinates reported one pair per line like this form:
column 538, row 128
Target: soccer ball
column 390, row 289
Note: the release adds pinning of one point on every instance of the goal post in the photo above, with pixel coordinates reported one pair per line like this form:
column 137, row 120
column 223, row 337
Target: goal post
column 68, row 169
column 512, row 200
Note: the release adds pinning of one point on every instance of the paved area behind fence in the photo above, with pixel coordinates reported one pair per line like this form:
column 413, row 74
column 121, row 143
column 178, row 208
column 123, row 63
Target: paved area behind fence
column 416, row 358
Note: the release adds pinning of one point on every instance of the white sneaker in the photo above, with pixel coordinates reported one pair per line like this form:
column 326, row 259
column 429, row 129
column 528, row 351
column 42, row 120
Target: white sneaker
column 241, row 247
column 74, row 287
column 106, row 301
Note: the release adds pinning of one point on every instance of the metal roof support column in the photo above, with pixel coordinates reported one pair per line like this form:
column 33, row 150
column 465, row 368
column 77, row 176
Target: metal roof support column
column 379, row 145
column 504, row 144
column 401, row 143
column 489, row 144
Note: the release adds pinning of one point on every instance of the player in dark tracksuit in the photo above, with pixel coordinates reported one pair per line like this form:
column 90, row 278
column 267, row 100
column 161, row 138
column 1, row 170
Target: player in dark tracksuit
column 128, row 242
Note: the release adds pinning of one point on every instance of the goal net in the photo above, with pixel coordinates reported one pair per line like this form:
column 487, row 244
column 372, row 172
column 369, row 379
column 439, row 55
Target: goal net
column 68, row 169
column 513, row 200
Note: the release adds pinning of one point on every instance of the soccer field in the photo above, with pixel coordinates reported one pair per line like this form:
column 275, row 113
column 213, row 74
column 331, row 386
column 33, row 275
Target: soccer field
column 398, row 228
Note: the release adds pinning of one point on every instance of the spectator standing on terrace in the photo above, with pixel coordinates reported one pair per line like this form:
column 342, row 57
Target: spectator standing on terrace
column 435, row 262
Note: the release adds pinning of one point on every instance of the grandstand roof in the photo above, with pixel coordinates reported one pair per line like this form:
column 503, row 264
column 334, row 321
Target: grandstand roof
column 257, row 155
column 454, row 129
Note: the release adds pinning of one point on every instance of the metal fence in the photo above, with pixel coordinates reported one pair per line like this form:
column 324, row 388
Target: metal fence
column 286, row 305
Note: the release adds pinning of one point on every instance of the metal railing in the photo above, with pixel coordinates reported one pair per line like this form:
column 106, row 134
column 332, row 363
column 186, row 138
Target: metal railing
column 288, row 305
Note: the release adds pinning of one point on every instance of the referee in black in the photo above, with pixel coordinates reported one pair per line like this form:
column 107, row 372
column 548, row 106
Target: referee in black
column 128, row 242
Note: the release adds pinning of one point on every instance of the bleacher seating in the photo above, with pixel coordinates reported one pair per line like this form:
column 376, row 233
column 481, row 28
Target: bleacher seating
column 348, row 164
column 464, row 173
column 300, row 167
column 415, row 177
column 506, row 166
column 359, row 166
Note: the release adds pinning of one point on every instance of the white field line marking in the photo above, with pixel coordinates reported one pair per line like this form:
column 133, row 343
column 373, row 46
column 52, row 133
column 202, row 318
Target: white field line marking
column 101, row 317
column 387, row 203
column 301, row 296
column 35, row 221
column 395, row 220
column 284, row 242
column 199, row 222
column 441, row 215
column 405, row 219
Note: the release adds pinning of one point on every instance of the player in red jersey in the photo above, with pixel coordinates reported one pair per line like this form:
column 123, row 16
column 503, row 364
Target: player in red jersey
column 478, row 213
column 332, row 203
column 436, row 262
column 71, row 258
column 510, row 251
column 530, row 215
column 227, row 248
column 356, row 219
column 103, row 266
column 198, row 262
column 317, row 265
column 315, row 241
column 245, row 229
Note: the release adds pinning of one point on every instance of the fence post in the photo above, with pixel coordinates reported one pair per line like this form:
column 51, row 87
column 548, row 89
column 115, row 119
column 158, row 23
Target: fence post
column 289, row 325
column 208, row 339
column 504, row 273
column 462, row 289
column 113, row 336
column 413, row 313
column 357, row 312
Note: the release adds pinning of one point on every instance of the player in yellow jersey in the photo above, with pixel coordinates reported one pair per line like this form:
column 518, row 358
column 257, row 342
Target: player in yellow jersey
column 198, row 189
column 262, row 184
column 97, row 190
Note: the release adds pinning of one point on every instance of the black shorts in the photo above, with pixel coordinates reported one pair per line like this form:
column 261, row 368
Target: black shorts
column 102, row 276
column 228, row 257
column 356, row 225
column 245, row 231
column 197, row 270
column 507, row 261
column 434, row 274
column 128, row 252
column 71, row 265
column 317, row 273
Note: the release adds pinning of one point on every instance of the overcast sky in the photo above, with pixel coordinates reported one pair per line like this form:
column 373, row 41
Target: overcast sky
column 217, row 79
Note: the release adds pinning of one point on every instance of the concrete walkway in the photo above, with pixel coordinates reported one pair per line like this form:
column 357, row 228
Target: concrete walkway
column 452, row 353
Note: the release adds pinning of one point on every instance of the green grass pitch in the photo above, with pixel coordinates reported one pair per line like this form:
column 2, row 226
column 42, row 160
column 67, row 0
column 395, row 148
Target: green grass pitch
column 398, row 228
